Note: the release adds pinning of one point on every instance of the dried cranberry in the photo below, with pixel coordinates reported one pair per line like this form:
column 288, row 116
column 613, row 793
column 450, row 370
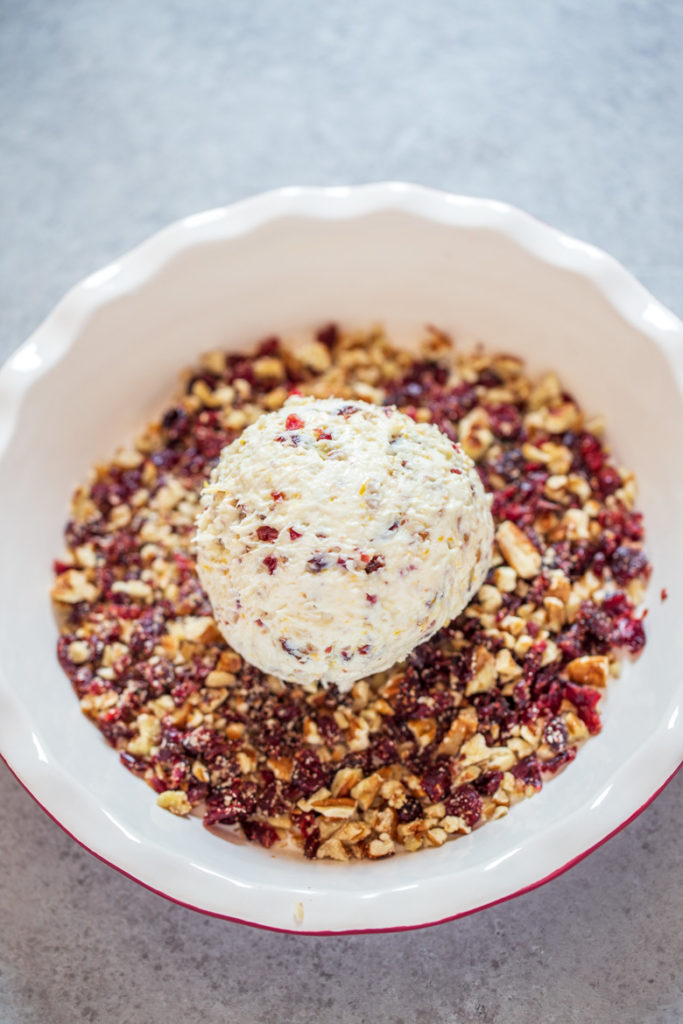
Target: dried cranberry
column 617, row 604
column 465, row 803
column 261, row 832
column 145, row 635
column 294, row 534
column 627, row 563
column 328, row 729
column 409, row 811
column 505, row 420
column 383, row 752
column 240, row 368
column 270, row 562
column 197, row 791
column 134, row 764
column 294, row 422
column 436, row 781
column 375, row 563
column 233, row 804
column 608, row 480
column 488, row 782
column 171, row 745
column 310, row 832
column 528, row 771
column 267, row 533
column 175, row 422
column 308, row 773
column 630, row 634
column 328, row 335
column 627, row 525
column 317, row 563
column 269, row 346
column 557, row 762
column 555, row 734
column 489, row 378
column 590, row 452
column 585, row 701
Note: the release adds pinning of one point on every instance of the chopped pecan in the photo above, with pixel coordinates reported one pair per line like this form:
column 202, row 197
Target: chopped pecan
column 517, row 550
column 72, row 587
column 175, row 801
column 589, row 670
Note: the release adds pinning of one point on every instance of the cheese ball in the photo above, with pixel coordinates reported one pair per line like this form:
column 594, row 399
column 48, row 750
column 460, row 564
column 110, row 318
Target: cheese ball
column 335, row 536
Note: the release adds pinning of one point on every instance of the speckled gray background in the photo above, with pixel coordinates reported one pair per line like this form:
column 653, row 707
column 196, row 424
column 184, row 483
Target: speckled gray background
column 117, row 118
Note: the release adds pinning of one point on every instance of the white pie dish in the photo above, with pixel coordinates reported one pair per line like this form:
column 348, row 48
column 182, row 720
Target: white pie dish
column 283, row 262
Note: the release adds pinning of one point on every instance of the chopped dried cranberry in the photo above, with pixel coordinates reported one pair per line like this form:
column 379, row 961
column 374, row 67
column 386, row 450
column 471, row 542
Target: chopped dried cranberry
column 489, row 378
column 270, row 562
column 488, row 782
column 293, row 422
column 590, row 452
column 505, row 420
column 175, row 422
column 585, row 701
column 267, row 533
column 557, row 762
column 317, row 563
column 328, row 728
column 308, row 773
column 383, row 752
column 269, row 346
column 375, row 563
column 134, row 764
column 409, row 811
column 372, row 598
column 197, row 791
column 260, row 831
column 555, row 734
column 630, row 634
column 310, row 833
column 627, row 563
column 294, row 534
column 528, row 771
column 240, row 368
column 608, row 480
column 328, row 335
column 436, row 782
column 627, row 525
column 465, row 803
column 289, row 648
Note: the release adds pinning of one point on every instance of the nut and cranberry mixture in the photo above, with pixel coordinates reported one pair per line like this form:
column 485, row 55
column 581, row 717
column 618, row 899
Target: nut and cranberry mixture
column 475, row 719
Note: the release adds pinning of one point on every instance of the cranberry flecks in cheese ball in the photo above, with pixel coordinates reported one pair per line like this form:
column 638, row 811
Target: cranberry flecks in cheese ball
column 336, row 536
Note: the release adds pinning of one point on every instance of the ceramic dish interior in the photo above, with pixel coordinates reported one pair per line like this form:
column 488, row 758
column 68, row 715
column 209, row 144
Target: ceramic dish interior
column 285, row 262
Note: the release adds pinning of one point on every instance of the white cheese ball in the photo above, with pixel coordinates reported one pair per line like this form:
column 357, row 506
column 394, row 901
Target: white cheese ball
column 336, row 535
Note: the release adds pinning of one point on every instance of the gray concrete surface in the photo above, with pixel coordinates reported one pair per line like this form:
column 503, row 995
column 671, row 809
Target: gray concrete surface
column 117, row 118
